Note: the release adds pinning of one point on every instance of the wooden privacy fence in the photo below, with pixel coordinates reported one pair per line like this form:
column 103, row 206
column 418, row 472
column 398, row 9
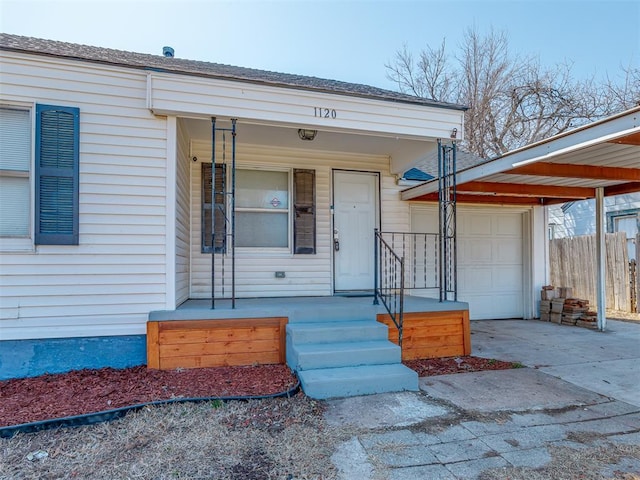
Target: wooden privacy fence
column 573, row 264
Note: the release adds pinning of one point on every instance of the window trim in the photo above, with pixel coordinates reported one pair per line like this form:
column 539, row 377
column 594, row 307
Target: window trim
column 613, row 215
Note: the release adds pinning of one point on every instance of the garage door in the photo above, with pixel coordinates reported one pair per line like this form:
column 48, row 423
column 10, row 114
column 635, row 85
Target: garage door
column 490, row 259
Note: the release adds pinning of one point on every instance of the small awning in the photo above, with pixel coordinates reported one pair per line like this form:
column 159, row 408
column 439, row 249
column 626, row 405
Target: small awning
column 563, row 168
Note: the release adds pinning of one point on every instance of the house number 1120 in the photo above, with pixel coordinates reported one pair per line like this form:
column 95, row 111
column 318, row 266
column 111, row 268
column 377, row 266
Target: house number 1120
column 324, row 112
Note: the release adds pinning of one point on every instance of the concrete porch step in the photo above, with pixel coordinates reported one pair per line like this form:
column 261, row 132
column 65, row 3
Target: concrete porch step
column 334, row 313
column 308, row 356
column 361, row 380
column 327, row 332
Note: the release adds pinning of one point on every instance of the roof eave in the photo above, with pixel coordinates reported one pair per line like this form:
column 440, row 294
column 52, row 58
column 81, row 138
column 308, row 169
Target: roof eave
column 217, row 76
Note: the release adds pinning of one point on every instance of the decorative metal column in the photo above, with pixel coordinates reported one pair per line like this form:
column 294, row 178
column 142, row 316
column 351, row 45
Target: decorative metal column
column 223, row 194
column 448, row 254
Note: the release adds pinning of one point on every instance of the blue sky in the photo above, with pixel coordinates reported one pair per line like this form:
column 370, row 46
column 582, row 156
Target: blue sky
column 344, row 40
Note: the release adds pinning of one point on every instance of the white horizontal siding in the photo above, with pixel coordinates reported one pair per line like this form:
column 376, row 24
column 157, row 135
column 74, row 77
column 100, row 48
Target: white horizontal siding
column 580, row 217
column 182, row 217
column 395, row 212
column 306, row 275
column 109, row 282
column 66, row 326
column 181, row 94
column 630, row 201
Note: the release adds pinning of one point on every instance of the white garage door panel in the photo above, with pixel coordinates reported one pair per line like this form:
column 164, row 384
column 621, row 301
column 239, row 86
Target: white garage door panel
column 490, row 259
column 509, row 250
column 509, row 225
column 476, row 250
column 500, row 306
column 508, row 279
column 475, row 225
column 479, row 280
column 474, row 280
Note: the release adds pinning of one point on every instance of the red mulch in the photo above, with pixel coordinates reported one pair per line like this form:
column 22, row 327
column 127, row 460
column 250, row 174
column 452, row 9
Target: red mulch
column 446, row 366
column 88, row 391
column 78, row 392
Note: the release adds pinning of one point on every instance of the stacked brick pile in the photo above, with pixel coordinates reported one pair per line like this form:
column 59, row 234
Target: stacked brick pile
column 573, row 309
column 557, row 305
column 588, row 320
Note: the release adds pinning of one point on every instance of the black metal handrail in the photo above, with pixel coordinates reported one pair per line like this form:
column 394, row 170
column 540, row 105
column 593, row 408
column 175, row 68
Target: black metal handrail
column 420, row 253
column 389, row 281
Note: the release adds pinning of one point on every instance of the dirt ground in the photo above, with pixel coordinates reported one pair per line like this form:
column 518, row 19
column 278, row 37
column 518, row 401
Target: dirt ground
column 624, row 316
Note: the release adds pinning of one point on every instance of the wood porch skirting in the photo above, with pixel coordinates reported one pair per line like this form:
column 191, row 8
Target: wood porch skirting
column 215, row 343
column 432, row 334
column 200, row 343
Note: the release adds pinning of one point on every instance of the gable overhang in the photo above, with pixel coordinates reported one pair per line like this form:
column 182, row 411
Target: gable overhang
column 406, row 133
column 567, row 167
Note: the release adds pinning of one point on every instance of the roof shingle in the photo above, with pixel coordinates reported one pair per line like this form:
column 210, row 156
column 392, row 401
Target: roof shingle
column 144, row 61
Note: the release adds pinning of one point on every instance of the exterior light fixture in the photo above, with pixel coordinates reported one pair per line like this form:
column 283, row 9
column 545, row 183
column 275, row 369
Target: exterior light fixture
column 305, row 134
column 454, row 133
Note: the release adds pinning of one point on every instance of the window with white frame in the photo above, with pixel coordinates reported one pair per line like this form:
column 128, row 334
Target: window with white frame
column 269, row 203
column 262, row 208
column 629, row 222
column 15, row 161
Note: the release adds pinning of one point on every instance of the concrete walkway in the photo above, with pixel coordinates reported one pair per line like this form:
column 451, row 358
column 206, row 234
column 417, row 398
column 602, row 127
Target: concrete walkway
column 580, row 392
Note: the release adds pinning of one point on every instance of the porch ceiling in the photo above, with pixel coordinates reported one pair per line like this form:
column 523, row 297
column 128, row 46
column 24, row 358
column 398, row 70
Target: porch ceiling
column 401, row 151
column 563, row 168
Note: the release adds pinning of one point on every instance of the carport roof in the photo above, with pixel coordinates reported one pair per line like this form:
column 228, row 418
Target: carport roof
column 566, row 167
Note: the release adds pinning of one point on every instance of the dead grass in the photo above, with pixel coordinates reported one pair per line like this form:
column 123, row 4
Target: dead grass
column 284, row 439
column 278, row 438
column 588, row 463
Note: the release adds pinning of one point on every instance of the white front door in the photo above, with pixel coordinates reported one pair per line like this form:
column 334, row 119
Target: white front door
column 355, row 203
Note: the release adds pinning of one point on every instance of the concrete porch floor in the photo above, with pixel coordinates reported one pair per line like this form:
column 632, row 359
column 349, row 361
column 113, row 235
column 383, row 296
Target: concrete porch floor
column 298, row 308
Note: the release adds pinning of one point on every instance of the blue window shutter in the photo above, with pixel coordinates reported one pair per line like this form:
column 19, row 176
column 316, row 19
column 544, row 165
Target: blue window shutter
column 57, row 175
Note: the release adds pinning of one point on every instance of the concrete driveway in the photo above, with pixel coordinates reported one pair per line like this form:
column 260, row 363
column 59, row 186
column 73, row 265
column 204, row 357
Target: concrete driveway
column 607, row 362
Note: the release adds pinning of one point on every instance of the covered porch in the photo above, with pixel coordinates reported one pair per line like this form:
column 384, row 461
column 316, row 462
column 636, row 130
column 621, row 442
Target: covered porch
column 304, row 173
column 275, row 191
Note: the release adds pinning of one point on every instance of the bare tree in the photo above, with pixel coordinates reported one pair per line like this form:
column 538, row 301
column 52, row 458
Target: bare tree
column 625, row 93
column 512, row 101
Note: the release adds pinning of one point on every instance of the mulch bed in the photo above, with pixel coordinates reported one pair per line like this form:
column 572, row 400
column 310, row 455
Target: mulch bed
column 447, row 366
column 89, row 391
column 79, row 392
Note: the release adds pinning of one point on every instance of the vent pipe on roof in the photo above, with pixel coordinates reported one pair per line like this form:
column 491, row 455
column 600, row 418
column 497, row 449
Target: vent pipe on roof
column 167, row 52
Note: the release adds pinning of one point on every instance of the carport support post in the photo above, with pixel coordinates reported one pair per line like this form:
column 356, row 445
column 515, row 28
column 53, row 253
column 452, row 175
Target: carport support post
column 601, row 259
